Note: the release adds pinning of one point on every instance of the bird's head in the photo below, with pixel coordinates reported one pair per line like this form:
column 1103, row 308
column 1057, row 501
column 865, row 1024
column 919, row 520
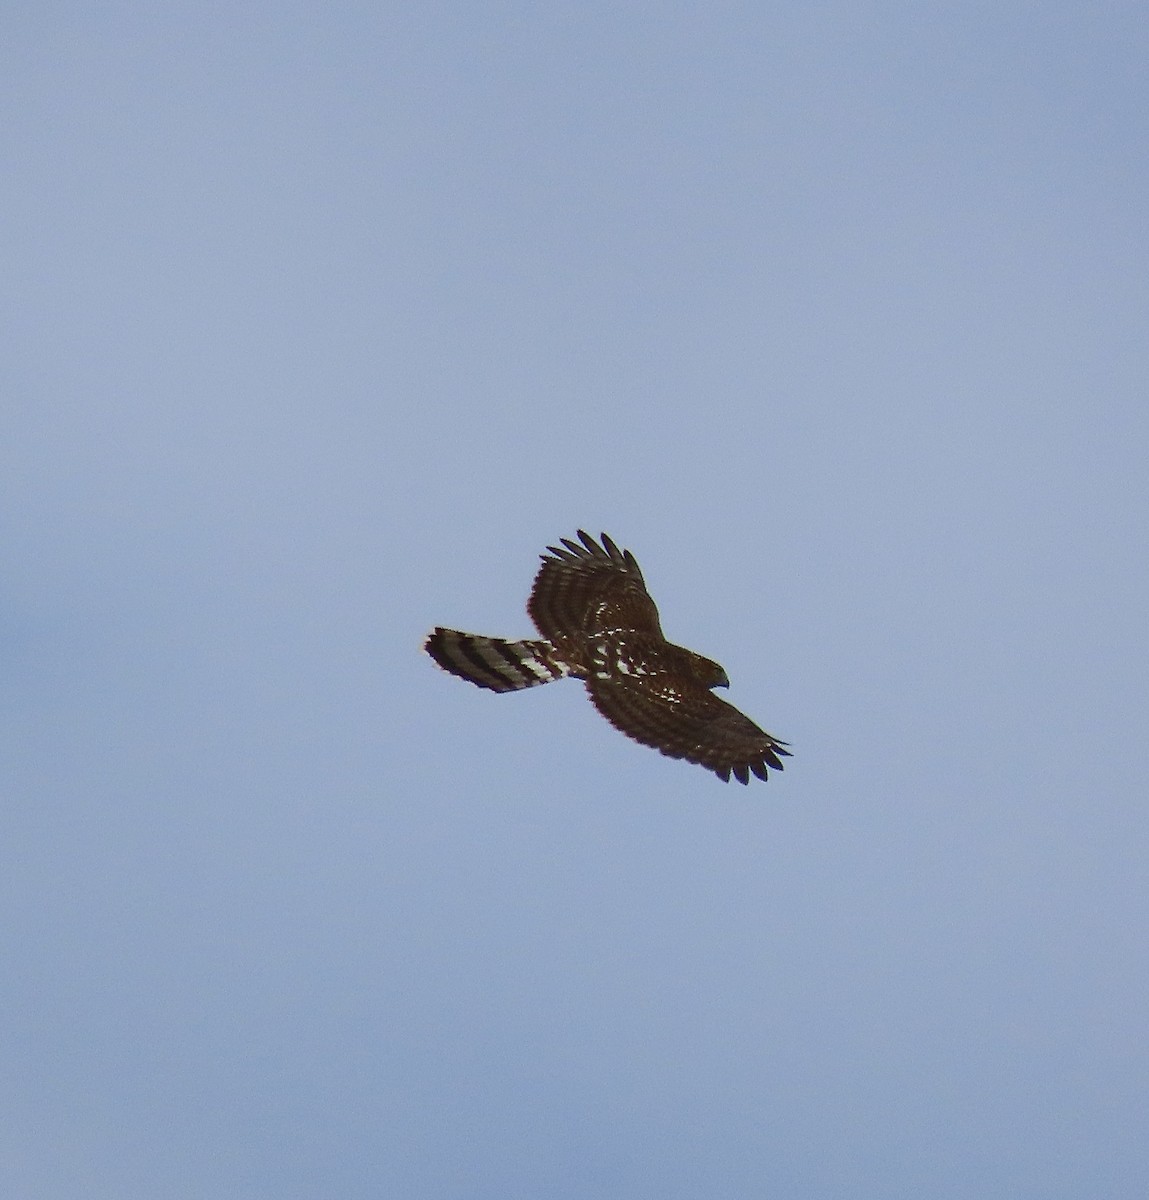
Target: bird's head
column 710, row 673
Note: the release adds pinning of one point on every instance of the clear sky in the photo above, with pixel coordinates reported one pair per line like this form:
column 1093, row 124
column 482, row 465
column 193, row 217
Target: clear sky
column 319, row 323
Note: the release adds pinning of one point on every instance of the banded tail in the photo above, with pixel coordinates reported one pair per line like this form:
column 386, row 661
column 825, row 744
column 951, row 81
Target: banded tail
column 495, row 663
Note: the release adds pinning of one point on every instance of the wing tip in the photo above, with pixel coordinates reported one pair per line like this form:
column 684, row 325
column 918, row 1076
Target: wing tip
column 572, row 551
column 758, row 767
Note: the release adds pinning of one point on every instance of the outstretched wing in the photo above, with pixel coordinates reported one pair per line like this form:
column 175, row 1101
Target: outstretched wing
column 588, row 590
column 687, row 721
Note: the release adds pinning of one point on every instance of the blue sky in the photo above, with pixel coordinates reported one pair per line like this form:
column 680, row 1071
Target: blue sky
column 318, row 325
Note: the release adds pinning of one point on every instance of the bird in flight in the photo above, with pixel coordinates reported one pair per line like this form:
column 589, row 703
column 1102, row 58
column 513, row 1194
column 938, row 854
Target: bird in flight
column 599, row 624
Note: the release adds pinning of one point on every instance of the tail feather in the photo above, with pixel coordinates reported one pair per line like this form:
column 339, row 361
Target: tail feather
column 495, row 663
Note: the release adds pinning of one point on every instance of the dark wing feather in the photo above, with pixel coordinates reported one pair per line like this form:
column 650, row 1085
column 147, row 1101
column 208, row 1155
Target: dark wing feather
column 585, row 590
column 689, row 722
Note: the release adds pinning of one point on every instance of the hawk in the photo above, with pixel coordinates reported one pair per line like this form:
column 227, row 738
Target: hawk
column 600, row 625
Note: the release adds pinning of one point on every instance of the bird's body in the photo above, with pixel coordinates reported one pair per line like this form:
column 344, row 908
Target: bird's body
column 599, row 625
